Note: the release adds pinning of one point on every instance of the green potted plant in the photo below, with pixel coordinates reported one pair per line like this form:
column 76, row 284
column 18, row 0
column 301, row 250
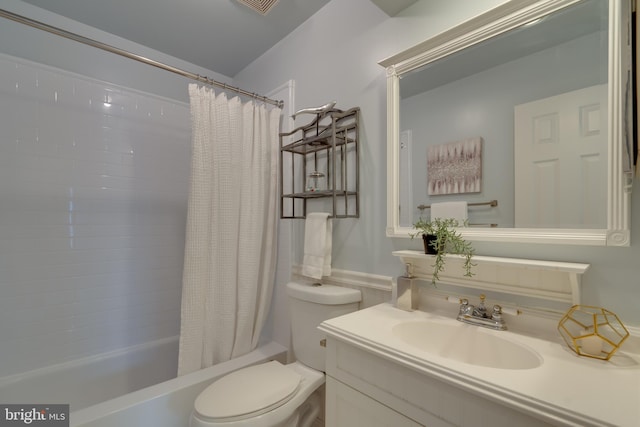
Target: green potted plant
column 440, row 237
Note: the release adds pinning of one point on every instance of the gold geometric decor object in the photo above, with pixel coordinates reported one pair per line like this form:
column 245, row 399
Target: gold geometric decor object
column 592, row 331
column 261, row 6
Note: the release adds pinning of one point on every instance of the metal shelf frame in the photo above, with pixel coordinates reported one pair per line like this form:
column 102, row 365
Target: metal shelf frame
column 329, row 144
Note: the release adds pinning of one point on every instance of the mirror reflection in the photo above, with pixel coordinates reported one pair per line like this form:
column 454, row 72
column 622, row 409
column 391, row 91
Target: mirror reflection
column 501, row 91
column 520, row 118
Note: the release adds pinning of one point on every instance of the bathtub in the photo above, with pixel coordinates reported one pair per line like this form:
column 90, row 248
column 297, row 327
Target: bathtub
column 87, row 381
column 169, row 403
column 132, row 387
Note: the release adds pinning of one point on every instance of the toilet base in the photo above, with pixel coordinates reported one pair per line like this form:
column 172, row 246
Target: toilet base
column 306, row 415
column 309, row 411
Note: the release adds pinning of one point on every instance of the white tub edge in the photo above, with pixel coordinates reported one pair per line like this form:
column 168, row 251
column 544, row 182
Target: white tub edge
column 83, row 361
column 160, row 404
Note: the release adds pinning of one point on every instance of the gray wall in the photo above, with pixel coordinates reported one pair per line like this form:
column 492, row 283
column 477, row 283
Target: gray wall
column 350, row 37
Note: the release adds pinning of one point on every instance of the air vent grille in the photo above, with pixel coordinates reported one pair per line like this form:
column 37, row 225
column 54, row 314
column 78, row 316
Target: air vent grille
column 261, row 6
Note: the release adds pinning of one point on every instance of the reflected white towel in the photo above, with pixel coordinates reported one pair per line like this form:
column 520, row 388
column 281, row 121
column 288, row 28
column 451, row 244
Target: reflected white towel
column 317, row 245
column 455, row 210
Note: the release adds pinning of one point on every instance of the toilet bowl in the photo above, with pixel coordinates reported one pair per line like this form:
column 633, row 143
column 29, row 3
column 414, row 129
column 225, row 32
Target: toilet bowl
column 264, row 395
column 272, row 394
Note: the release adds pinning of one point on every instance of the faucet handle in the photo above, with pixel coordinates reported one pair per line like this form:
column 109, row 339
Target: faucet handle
column 497, row 312
column 496, row 316
column 465, row 307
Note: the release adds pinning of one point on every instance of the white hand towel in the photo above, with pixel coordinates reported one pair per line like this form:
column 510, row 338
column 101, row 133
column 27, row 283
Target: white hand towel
column 455, row 210
column 317, row 245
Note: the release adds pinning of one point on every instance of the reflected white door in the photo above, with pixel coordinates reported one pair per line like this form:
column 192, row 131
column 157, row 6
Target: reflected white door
column 561, row 160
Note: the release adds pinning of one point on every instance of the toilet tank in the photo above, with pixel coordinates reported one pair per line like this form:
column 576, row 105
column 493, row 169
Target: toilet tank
column 310, row 305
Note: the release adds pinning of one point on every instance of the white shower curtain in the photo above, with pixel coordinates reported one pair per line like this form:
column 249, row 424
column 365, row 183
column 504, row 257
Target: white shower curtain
column 230, row 248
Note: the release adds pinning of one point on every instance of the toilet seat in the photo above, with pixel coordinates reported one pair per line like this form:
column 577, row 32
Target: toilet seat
column 247, row 393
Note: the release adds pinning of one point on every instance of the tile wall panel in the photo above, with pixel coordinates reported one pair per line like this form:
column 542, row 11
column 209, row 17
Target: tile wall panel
column 92, row 215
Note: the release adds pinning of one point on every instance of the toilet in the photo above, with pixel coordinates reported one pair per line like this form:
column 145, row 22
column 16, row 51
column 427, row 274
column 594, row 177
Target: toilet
column 272, row 394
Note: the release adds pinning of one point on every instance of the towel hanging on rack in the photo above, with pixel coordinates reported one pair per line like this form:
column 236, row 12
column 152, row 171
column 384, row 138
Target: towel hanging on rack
column 317, row 245
column 455, row 210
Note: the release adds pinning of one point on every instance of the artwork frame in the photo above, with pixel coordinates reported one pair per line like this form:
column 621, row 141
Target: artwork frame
column 455, row 167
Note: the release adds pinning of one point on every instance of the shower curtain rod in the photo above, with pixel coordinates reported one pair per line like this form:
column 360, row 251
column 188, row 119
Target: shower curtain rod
column 94, row 43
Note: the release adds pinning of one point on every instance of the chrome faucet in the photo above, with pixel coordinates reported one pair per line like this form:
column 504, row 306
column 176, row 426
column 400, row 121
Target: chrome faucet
column 479, row 315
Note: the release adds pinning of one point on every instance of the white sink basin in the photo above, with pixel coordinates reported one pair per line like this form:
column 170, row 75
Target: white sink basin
column 468, row 344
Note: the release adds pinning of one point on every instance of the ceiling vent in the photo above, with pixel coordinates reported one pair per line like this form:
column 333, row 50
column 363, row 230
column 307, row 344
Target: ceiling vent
column 261, row 6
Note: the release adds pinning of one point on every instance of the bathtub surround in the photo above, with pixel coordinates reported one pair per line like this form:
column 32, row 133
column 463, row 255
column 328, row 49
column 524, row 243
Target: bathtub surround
column 93, row 190
column 229, row 264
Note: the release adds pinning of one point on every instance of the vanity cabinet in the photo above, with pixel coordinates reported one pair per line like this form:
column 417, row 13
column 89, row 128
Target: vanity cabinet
column 374, row 390
column 320, row 161
column 348, row 407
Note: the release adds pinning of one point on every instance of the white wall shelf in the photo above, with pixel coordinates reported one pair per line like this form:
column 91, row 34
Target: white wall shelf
column 549, row 280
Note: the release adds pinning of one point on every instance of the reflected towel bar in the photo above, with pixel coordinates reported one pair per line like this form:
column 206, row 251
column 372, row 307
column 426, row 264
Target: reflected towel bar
column 492, row 203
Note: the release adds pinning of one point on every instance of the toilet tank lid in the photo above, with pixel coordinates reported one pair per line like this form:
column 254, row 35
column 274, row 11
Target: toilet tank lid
column 323, row 294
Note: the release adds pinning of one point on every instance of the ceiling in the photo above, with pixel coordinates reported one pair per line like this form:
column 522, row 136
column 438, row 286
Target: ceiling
column 220, row 35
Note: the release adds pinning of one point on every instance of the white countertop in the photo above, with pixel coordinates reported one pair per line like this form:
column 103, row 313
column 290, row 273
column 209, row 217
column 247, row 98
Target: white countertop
column 567, row 388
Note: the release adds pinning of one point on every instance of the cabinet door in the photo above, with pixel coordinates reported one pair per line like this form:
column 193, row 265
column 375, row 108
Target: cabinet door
column 346, row 407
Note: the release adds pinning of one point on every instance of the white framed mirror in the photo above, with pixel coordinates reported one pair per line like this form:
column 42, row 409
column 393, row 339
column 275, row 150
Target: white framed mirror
column 499, row 80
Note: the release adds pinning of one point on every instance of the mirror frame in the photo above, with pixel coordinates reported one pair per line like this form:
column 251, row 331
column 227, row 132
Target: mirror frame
column 496, row 21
